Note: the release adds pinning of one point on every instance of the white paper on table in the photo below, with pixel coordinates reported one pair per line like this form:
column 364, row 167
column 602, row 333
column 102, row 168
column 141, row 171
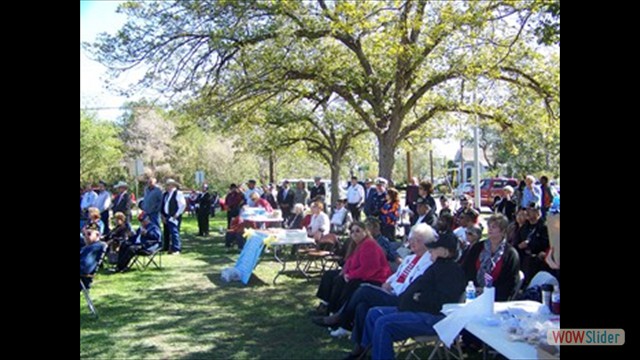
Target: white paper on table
column 449, row 327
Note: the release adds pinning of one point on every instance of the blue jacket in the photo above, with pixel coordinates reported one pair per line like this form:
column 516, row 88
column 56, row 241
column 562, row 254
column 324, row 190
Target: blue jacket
column 152, row 237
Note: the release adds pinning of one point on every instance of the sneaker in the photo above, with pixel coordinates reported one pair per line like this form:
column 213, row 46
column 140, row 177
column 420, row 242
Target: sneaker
column 175, row 253
column 340, row 332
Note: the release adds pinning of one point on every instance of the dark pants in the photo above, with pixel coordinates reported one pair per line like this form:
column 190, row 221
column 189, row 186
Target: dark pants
column 203, row 222
column 104, row 216
column 384, row 325
column 232, row 237
column 326, row 284
column 342, row 291
column 154, row 217
column 126, row 253
column 171, row 236
column 355, row 211
column 128, row 250
column 231, row 213
column 356, row 309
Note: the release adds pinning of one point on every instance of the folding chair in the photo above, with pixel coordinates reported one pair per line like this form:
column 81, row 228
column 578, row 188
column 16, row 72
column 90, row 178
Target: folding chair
column 325, row 252
column 147, row 256
column 90, row 277
column 438, row 345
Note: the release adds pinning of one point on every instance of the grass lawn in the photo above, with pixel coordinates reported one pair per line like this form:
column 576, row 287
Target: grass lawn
column 185, row 311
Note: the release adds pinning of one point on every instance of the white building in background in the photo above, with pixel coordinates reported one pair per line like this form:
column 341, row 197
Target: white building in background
column 467, row 171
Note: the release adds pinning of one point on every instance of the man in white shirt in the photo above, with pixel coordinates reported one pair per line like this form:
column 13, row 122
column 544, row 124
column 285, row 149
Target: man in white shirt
column 339, row 215
column 173, row 206
column 251, row 184
column 88, row 198
column 355, row 198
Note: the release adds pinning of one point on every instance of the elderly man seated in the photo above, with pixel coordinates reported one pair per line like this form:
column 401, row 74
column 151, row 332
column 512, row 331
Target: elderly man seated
column 419, row 305
column 147, row 237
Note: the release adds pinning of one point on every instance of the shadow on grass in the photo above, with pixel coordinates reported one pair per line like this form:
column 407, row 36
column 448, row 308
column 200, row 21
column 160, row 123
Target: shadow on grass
column 186, row 311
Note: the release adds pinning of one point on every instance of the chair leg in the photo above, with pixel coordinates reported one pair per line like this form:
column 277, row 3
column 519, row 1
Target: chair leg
column 88, row 298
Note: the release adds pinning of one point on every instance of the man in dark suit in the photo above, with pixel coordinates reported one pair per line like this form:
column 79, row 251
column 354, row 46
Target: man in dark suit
column 285, row 200
column 203, row 210
column 369, row 190
column 123, row 202
column 318, row 193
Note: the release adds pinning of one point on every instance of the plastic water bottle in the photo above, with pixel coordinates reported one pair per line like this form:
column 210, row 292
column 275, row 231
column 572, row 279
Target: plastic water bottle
column 470, row 291
column 555, row 300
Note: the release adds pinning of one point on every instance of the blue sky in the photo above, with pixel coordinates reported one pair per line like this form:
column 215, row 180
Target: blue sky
column 97, row 17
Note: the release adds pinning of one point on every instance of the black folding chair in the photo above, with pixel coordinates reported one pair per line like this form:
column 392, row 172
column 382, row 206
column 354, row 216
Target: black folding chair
column 147, row 256
column 89, row 279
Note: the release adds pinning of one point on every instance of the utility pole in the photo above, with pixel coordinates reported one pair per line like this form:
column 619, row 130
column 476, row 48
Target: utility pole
column 476, row 153
column 409, row 174
column 431, row 159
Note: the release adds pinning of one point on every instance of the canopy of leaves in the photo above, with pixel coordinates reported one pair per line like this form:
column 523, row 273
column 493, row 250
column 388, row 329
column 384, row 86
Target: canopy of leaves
column 100, row 150
column 397, row 64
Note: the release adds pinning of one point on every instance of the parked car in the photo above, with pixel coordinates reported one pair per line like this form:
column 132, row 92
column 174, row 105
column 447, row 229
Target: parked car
column 491, row 188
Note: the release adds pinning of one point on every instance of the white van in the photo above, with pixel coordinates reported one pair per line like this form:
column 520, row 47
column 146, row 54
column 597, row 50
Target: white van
column 310, row 183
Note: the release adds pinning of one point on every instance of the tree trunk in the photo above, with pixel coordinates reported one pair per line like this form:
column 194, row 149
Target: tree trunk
column 335, row 179
column 272, row 163
column 386, row 155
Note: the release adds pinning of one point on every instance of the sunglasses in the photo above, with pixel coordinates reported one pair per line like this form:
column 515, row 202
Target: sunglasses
column 356, row 230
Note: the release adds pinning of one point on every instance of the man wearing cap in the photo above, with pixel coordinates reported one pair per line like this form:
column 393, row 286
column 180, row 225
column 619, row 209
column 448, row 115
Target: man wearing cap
column 103, row 203
column 123, row 202
column 152, row 203
column 422, row 214
column 318, row 190
column 251, row 184
column 173, row 206
column 379, row 197
column 355, row 198
column 419, row 305
column 203, row 209
column 285, row 200
column 147, row 237
column 369, row 191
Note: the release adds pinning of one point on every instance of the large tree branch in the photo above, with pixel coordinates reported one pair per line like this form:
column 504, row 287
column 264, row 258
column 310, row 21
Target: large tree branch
column 407, row 130
column 429, row 84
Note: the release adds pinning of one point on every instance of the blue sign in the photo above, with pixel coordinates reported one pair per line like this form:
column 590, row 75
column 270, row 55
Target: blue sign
column 250, row 255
